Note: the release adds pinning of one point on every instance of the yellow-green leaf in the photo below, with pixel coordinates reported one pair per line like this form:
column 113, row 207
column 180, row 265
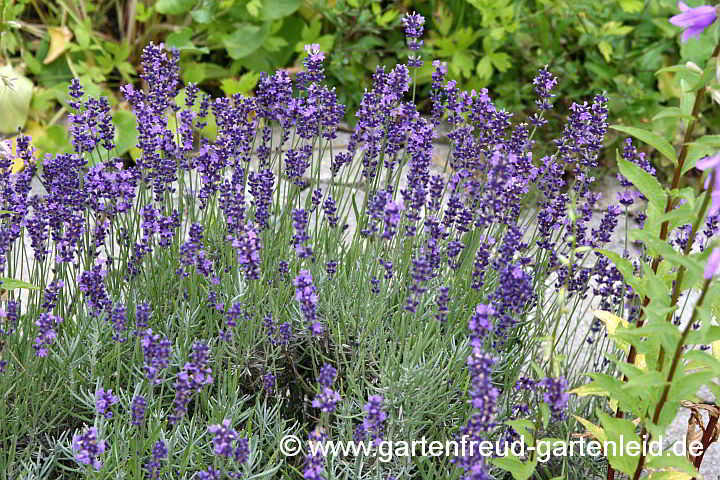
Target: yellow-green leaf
column 591, row 388
column 631, row 6
column 596, row 431
column 606, row 50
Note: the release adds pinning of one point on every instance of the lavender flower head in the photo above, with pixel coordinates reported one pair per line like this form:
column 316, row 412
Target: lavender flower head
column 695, row 20
column 375, row 417
column 87, row 448
column 227, row 443
column 326, row 400
column 413, row 31
column 555, row 396
column 46, row 333
column 327, row 375
column 103, row 401
column 223, row 437
column 137, row 409
column 156, row 350
column 314, row 460
column 305, row 294
column 159, row 453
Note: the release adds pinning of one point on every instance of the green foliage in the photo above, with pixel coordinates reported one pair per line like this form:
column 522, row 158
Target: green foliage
column 660, row 370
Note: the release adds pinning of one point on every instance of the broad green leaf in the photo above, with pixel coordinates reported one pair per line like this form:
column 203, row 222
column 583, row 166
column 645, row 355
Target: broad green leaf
column 484, row 68
column 12, row 284
column 182, row 41
column 652, row 139
column 677, row 68
column 273, row 44
column 697, row 49
column 668, row 460
column 143, row 13
column 591, row 388
column 461, row 64
column 596, row 431
column 707, row 76
column 606, row 49
column 616, row 28
column 671, row 112
column 15, row 96
column 644, row 182
column 387, row 17
column 82, row 33
column 253, row 7
column 501, row 61
column 203, row 13
column 545, row 413
column 631, row 6
column 245, row 40
column 518, row 469
column 674, row 476
column 125, row 131
column 443, row 21
column 174, row 7
column 243, row 85
column 619, row 431
column 274, row 9
column 198, row 72
column 311, row 32
column 688, row 384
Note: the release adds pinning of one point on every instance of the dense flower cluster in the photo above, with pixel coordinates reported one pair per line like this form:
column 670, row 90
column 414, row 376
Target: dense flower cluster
column 328, row 398
column 305, row 294
column 103, row 401
column 156, row 350
column 459, row 243
column 195, row 375
column 88, row 448
column 373, row 426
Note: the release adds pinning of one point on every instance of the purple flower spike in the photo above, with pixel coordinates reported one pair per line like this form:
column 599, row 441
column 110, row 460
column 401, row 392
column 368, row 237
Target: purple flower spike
column 46, row 333
column 223, row 437
column 695, row 20
column 375, row 417
column 87, row 448
column 138, row 407
column 326, row 400
column 103, row 401
column 713, row 263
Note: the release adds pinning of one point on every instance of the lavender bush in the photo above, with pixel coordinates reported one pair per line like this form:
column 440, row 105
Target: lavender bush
column 187, row 312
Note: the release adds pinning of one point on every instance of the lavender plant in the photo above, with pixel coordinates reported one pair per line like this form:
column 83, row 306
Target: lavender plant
column 192, row 310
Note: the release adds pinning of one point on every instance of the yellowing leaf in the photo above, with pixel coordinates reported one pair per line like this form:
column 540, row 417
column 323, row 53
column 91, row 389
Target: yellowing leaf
column 632, row 6
column 716, row 349
column 589, row 389
column 606, row 50
column 596, row 431
column 611, row 321
column 59, row 42
column 672, row 476
column 18, row 165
